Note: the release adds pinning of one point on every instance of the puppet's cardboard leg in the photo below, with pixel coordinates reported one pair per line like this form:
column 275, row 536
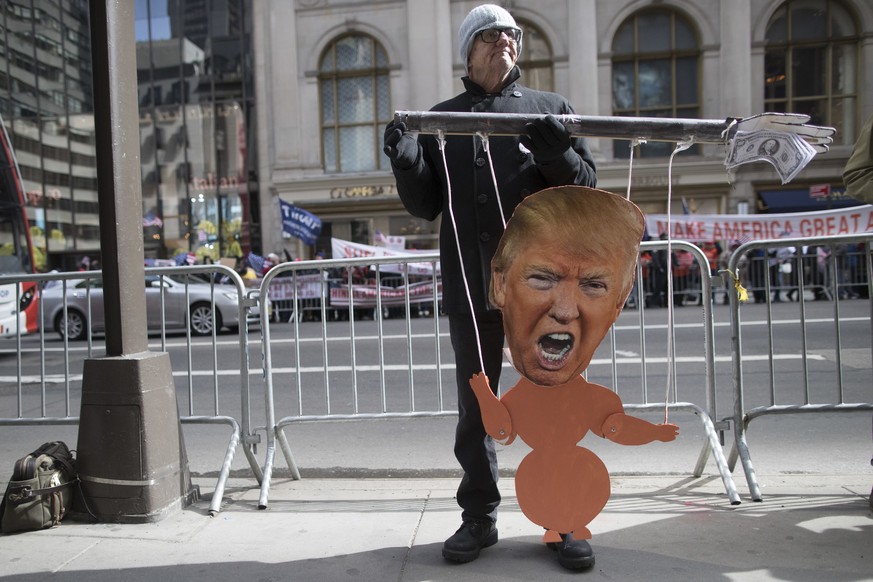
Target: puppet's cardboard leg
column 552, row 537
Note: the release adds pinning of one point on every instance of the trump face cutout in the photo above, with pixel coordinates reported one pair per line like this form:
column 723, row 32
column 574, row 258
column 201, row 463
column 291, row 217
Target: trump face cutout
column 562, row 272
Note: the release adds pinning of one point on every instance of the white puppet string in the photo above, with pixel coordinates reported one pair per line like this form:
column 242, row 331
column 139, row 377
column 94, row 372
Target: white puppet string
column 441, row 142
column 486, row 147
column 630, row 173
column 680, row 146
column 630, row 170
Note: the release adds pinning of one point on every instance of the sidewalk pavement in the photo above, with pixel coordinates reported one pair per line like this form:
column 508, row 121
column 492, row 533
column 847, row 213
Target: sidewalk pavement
column 654, row 528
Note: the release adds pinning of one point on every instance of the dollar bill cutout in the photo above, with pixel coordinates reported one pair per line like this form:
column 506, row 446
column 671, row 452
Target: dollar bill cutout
column 787, row 152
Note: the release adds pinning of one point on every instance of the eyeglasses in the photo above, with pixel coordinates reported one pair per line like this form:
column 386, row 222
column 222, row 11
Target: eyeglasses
column 493, row 34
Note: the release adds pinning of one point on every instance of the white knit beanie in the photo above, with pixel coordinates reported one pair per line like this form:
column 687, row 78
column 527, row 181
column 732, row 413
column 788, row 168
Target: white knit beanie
column 481, row 18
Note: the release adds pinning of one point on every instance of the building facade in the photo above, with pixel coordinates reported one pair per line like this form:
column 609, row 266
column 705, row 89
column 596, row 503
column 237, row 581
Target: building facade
column 332, row 72
column 47, row 106
column 196, row 98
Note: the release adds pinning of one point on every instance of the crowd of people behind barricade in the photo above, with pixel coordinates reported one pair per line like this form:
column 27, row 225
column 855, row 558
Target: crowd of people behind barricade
column 251, row 267
column 818, row 270
column 308, row 306
column 821, row 270
column 683, row 269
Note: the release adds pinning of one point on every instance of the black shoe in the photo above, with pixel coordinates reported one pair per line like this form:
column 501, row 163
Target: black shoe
column 471, row 537
column 573, row 554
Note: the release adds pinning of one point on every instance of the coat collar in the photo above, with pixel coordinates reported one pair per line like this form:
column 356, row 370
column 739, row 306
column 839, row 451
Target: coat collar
column 477, row 91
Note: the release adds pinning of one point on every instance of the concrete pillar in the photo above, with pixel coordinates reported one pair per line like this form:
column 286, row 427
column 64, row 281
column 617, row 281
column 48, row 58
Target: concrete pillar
column 865, row 84
column 583, row 51
column 131, row 453
column 278, row 74
column 432, row 46
column 278, row 103
column 735, row 61
column 132, row 461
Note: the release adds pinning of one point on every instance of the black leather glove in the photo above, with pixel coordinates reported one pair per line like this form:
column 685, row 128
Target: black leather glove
column 400, row 145
column 546, row 138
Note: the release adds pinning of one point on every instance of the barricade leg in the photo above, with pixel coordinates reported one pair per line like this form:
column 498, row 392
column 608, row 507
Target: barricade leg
column 741, row 450
column 713, row 444
column 286, row 450
column 702, row 459
column 248, row 449
column 720, row 461
column 268, row 470
column 224, row 473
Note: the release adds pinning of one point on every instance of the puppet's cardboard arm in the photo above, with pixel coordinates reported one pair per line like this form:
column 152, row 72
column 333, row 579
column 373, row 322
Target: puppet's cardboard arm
column 495, row 416
column 629, row 430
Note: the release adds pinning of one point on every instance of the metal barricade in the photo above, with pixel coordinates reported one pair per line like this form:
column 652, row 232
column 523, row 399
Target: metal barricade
column 69, row 302
column 351, row 291
column 836, row 269
column 690, row 282
column 353, row 387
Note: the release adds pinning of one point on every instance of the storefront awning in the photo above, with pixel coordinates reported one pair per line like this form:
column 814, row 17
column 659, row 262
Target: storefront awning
column 800, row 200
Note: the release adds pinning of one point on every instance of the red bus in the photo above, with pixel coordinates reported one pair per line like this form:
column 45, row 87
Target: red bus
column 18, row 301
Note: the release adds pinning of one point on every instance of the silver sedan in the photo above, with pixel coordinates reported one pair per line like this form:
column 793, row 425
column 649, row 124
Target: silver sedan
column 172, row 303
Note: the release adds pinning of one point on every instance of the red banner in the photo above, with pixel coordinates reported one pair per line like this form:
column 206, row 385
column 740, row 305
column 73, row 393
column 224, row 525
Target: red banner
column 728, row 227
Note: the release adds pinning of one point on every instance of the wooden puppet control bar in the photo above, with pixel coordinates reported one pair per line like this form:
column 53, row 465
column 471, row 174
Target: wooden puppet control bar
column 649, row 128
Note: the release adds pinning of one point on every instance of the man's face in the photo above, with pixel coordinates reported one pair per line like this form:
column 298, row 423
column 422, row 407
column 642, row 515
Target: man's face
column 492, row 57
column 557, row 308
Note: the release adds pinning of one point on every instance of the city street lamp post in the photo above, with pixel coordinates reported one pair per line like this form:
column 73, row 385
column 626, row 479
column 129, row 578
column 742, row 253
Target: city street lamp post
column 132, row 459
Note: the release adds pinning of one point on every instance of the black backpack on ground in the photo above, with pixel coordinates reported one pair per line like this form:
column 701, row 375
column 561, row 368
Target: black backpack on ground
column 41, row 489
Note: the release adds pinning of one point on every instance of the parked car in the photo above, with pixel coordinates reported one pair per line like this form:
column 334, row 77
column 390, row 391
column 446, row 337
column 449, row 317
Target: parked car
column 185, row 302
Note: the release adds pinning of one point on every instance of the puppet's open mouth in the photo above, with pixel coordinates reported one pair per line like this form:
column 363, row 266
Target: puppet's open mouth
column 554, row 348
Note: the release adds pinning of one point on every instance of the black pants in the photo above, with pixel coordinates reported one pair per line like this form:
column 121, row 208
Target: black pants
column 477, row 494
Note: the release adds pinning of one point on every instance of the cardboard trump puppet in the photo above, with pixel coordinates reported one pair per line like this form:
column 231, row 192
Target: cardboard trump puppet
column 561, row 274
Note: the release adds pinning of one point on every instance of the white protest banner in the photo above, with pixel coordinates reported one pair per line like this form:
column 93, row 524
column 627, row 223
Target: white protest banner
column 309, row 286
column 395, row 243
column 364, row 295
column 747, row 227
column 343, row 249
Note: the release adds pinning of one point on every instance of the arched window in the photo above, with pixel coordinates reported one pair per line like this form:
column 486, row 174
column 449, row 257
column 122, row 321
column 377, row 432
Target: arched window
column 535, row 60
column 811, row 64
column 655, row 73
column 355, row 104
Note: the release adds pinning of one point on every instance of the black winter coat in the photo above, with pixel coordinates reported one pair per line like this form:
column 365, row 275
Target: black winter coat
column 424, row 192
